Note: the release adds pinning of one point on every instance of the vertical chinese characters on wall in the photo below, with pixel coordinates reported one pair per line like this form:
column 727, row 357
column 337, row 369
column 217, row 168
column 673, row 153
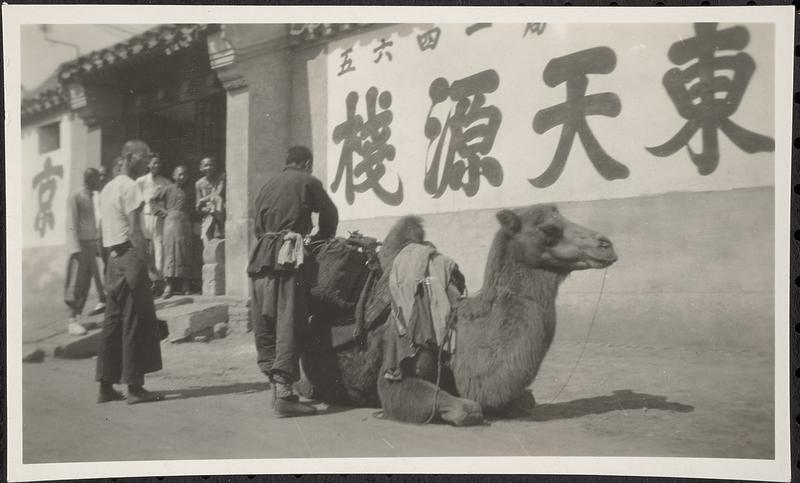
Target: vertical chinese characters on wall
column 473, row 98
column 369, row 140
column 707, row 100
column 572, row 70
column 460, row 145
column 47, row 182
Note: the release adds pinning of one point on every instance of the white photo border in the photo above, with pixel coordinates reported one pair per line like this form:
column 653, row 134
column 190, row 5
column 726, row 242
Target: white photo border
column 778, row 469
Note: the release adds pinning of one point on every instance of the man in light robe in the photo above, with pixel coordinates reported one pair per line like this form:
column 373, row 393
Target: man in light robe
column 153, row 226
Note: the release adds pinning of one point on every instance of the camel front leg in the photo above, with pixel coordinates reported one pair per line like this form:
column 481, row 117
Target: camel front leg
column 411, row 400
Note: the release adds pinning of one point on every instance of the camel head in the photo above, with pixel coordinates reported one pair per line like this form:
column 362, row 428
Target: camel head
column 543, row 238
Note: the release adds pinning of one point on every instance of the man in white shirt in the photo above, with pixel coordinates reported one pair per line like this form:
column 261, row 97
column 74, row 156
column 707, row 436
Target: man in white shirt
column 129, row 344
column 153, row 226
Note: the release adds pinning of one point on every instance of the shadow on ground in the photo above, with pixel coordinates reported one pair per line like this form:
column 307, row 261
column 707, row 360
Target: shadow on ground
column 239, row 388
column 621, row 400
column 242, row 388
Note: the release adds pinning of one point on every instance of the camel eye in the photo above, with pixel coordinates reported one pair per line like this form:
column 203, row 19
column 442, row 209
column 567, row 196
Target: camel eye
column 552, row 234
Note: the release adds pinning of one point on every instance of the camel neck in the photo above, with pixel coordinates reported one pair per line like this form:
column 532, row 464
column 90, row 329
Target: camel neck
column 538, row 285
column 511, row 276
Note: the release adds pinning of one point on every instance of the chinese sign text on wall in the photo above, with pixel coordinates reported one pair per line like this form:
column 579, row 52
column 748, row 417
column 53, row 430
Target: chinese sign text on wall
column 444, row 112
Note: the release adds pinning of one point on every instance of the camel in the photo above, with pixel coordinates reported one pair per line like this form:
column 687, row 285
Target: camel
column 503, row 332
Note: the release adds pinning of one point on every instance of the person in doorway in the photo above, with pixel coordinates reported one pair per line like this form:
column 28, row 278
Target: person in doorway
column 210, row 199
column 82, row 237
column 279, row 284
column 129, row 345
column 175, row 205
column 153, row 226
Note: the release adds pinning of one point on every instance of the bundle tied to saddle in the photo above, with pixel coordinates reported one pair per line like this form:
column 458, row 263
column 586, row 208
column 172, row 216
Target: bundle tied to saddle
column 341, row 271
column 425, row 286
column 337, row 268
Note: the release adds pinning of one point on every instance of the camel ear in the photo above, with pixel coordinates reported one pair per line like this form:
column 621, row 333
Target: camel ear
column 509, row 221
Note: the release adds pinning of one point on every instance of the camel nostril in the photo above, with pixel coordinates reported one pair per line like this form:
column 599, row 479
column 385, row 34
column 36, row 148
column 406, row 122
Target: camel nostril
column 604, row 242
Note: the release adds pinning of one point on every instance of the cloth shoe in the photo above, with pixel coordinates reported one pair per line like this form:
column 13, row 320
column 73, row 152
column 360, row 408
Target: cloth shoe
column 75, row 328
column 108, row 394
column 286, row 404
column 98, row 309
column 142, row 395
column 288, row 407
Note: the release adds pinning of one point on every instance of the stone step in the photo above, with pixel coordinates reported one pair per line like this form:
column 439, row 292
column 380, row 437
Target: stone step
column 213, row 279
column 188, row 320
column 58, row 333
column 183, row 318
column 239, row 318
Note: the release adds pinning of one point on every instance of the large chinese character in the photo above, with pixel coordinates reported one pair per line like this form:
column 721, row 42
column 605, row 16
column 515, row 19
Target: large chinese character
column 369, row 140
column 347, row 62
column 429, row 39
column 573, row 69
column 383, row 46
column 46, row 181
column 706, row 100
column 469, row 131
column 475, row 27
column 534, row 28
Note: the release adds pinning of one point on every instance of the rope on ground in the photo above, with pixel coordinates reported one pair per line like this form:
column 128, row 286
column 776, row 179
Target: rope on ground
column 588, row 334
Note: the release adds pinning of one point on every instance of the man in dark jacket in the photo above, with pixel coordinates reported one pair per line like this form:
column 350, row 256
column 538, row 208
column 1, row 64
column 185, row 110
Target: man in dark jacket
column 279, row 283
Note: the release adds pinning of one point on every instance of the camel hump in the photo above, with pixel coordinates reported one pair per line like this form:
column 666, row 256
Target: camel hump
column 408, row 229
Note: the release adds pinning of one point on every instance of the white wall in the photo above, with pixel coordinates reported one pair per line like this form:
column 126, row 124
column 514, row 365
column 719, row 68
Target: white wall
column 648, row 117
column 696, row 252
column 33, row 164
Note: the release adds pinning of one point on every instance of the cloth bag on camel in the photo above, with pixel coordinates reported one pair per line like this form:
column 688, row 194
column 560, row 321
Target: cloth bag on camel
column 341, row 268
column 425, row 287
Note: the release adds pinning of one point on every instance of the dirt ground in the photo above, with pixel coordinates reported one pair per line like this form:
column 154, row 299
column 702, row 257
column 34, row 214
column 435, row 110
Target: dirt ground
column 621, row 401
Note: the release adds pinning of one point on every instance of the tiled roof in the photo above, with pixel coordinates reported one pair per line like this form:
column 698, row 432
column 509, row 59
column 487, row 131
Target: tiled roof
column 44, row 101
column 308, row 32
column 162, row 40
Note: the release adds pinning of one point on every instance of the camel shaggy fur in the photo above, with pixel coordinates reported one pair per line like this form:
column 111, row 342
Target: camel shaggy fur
column 503, row 332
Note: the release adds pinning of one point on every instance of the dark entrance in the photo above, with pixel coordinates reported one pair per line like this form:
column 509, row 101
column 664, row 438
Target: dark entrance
column 177, row 105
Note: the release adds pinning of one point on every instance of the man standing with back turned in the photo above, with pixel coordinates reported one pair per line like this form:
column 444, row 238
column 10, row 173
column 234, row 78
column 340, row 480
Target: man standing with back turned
column 279, row 284
column 82, row 236
column 129, row 344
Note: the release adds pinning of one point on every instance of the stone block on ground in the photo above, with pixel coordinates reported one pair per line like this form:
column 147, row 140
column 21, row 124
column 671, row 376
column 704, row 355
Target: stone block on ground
column 214, row 251
column 186, row 321
column 239, row 318
column 36, row 355
column 81, row 347
column 221, row 330
column 213, row 279
column 85, row 346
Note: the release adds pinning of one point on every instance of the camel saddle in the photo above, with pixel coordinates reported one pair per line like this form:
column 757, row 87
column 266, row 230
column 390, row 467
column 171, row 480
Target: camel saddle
column 351, row 296
column 344, row 273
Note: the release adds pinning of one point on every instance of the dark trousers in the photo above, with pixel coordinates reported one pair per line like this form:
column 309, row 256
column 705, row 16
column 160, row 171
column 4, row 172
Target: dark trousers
column 81, row 269
column 104, row 255
column 129, row 345
column 279, row 316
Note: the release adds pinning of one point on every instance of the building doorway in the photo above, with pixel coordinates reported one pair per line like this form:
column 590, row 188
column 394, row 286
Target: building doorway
column 183, row 133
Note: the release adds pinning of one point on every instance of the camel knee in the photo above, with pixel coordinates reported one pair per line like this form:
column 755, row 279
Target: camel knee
column 415, row 401
column 458, row 411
